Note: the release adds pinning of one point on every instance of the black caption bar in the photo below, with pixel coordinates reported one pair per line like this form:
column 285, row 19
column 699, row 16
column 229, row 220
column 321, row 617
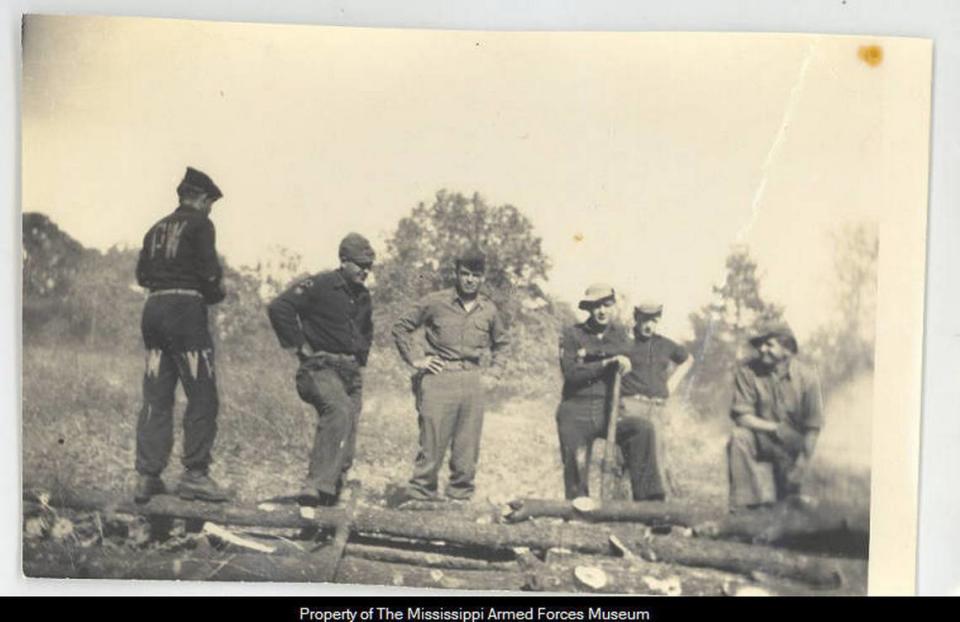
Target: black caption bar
column 474, row 608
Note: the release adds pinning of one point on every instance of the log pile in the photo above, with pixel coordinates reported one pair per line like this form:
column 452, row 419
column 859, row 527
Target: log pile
column 539, row 545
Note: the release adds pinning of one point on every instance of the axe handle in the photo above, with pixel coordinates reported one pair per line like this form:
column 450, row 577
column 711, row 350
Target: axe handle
column 606, row 467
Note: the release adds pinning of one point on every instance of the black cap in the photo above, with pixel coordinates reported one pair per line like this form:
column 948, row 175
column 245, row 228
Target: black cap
column 199, row 182
column 775, row 328
column 356, row 248
column 473, row 258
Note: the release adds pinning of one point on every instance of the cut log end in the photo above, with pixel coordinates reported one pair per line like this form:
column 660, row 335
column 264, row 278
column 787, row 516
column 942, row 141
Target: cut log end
column 591, row 577
column 585, row 504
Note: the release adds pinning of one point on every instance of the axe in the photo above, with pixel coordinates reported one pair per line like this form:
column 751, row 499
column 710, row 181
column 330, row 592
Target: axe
column 609, row 448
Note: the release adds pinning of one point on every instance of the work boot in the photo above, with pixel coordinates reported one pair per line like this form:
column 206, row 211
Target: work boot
column 311, row 498
column 196, row 485
column 147, row 487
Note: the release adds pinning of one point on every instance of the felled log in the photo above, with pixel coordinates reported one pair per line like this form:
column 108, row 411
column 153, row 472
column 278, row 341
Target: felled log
column 744, row 559
column 487, row 513
column 438, row 527
column 109, row 563
column 814, row 528
column 624, row 576
column 784, row 523
column 364, row 571
column 730, row 556
column 423, row 559
column 610, row 510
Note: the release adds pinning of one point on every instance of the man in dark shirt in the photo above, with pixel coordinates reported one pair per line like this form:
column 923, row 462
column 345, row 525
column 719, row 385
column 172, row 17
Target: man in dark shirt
column 778, row 411
column 326, row 321
column 178, row 264
column 590, row 353
column 460, row 325
column 658, row 365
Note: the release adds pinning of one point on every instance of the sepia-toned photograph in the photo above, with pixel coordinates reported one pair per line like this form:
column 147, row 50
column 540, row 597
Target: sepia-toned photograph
column 469, row 310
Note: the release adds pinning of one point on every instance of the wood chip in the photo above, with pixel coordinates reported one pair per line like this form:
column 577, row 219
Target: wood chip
column 228, row 536
column 591, row 577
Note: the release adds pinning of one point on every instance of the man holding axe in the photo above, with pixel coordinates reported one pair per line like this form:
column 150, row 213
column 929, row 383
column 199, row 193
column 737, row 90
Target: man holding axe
column 592, row 359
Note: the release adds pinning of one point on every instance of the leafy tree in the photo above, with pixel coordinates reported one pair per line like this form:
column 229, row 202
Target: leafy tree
column 844, row 348
column 721, row 330
column 104, row 303
column 50, row 262
column 420, row 259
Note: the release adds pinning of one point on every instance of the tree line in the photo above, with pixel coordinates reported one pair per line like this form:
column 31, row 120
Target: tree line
column 89, row 298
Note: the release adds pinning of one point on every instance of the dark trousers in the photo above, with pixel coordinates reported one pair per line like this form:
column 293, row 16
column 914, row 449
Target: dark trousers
column 758, row 464
column 333, row 385
column 580, row 420
column 450, row 407
column 179, row 349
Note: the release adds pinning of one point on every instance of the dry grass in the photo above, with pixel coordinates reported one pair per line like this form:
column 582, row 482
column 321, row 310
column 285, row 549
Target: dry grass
column 80, row 409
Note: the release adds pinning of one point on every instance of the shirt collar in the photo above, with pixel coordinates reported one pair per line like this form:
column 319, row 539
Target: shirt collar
column 593, row 329
column 343, row 284
column 455, row 299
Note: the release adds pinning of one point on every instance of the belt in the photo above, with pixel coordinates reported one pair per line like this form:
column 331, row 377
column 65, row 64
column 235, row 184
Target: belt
column 461, row 365
column 653, row 401
column 333, row 355
column 180, row 292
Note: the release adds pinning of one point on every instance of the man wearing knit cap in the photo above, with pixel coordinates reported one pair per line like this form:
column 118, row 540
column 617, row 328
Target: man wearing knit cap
column 461, row 326
column 178, row 264
column 658, row 365
column 778, row 412
column 590, row 354
column 326, row 321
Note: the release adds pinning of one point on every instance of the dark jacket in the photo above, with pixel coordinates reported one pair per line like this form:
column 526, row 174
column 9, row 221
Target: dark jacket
column 179, row 252
column 582, row 351
column 328, row 313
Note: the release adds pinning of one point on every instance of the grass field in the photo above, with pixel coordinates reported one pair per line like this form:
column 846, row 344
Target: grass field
column 80, row 408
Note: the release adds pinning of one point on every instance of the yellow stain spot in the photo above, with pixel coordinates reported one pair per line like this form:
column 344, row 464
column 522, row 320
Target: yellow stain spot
column 871, row 54
column 578, row 237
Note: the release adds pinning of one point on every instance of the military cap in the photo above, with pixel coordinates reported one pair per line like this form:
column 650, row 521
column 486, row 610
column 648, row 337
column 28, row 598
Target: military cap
column 776, row 328
column 472, row 258
column 596, row 294
column 647, row 309
column 356, row 248
column 198, row 181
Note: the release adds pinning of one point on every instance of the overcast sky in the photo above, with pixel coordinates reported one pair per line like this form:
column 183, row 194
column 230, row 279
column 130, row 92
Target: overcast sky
column 640, row 158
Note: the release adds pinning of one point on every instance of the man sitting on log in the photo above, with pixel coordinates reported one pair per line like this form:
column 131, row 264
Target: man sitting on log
column 326, row 322
column 590, row 353
column 778, row 412
column 658, row 364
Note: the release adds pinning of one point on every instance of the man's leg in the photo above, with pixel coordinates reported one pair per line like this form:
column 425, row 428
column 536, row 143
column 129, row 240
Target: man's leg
column 468, row 429
column 637, row 437
column 155, row 422
column 323, row 388
column 577, row 430
column 438, row 405
column 197, row 374
column 751, row 481
column 353, row 383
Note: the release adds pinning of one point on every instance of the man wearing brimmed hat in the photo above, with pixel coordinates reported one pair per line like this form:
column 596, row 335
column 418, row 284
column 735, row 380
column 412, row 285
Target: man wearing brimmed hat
column 658, row 364
column 461, row 325
column 590, row 353
column 778, row 412
column 326, row 321
column 178, row 264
